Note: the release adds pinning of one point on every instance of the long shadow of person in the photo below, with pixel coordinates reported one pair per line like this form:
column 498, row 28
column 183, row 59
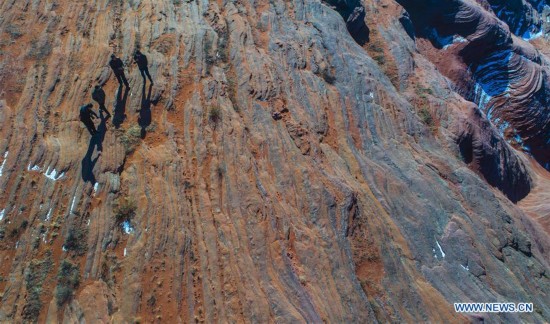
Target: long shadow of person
column 120, row 106
column 101, row 130
column 144, row 119
column 98, row 95
column 143, row 65
column 88, row 163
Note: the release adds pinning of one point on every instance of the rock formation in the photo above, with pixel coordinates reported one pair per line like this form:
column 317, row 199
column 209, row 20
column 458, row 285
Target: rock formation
column 294, row 161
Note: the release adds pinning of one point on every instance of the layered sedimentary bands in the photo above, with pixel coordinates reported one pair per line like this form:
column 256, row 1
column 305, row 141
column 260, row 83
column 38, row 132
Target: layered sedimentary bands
column 294, row 161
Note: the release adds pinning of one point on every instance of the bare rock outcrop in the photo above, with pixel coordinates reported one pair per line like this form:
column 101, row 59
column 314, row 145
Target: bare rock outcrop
column 278, row 170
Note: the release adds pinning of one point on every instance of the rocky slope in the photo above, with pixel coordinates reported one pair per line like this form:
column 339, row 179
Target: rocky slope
column 299, row 161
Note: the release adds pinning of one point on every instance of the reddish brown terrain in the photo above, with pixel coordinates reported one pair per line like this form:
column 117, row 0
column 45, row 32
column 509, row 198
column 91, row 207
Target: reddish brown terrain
column 295, row 161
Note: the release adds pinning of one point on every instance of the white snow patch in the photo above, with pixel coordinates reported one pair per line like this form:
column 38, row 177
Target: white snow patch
column 455, row 40
column 49, row 215
column 440, row 249
column 124, row 251
column 482, row 98
column 96, row 187
column 72, row 205
column 127, row 227
column 2, row 214
column 64, row 248
column 446, row 41
column 465, row 267
column 530, row 35
column 502, row 127
column 3, row 163
column 34, row 168
column 490, row 81
column 88, row 223
column 53, row 174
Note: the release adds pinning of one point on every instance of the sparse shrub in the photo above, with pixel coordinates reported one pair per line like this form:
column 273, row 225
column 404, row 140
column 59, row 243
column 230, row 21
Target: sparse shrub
column 220, row 171
column 124, row 209
column 35, row 242
column 14, row 232
column 131, row 138
column 376, row 51
column 24, row 224
column 426, row 117
column 76, row 241
column 232, row 90
column 207, row 50
column 380, row 59
column 68, row 279
column 151, row 128
column 40, row 50
column 422, row 92
column 215, row 114
column 35, row 274
column 222, row 53
column 375, row 47
column 14, row 31
column 328, row 77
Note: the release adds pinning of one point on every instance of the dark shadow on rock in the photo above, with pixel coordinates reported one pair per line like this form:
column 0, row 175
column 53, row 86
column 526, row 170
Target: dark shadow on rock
column 357, row 27
column 343, row 7
column 88, row 163
column 120, row 106
column 144, row 119
column 101, row 130
column 408, row 25
column 484, row 151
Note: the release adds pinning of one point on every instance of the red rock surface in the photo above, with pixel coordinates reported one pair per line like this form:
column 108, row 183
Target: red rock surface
column 280, row 171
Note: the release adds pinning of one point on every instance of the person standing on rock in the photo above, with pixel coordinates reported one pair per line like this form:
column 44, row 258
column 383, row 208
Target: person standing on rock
column 142, row 63
column 86, row 115
column 118, row 69
column 98, row 95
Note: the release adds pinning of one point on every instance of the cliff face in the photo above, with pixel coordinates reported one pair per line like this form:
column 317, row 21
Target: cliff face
column 281, row 168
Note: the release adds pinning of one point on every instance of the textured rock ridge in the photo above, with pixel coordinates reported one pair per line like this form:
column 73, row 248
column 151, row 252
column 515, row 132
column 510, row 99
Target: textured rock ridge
column 499, row 70
column 280, row 169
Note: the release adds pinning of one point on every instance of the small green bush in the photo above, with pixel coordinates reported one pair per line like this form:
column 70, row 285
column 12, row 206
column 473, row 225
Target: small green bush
column 40, row 50
column 14, row 31
column 76, row 241
column 124, row 209
column 426, row 117
column 68, row 279
column 131, row 138
column 35, row 274
column 380, row 59
column 215, row 114
column 423, row 92
column 209, row 57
